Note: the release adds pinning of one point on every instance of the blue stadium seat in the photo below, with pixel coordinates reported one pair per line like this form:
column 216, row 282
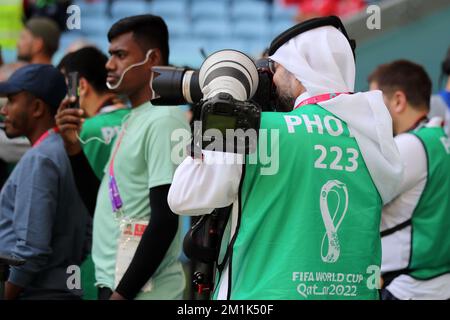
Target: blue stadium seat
column 186, row 51
column 95, row 26
column 211, row 28
column 209, row 9
column 280, row 12
column 257, row 47
column 258, row 30
column 101, row 42
column 226, row 43
column 178, row 27
column 91, row 9
column 122, row 9
column 169, row 8
column 67, row 38
column 250, row 9
column 278, row 27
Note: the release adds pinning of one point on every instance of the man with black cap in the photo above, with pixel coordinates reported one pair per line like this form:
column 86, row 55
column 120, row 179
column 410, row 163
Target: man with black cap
column 42, row 218
column 38, row 41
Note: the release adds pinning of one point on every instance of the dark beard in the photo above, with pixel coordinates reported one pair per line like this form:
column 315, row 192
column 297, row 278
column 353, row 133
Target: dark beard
column 284, row 103
column 24, row 58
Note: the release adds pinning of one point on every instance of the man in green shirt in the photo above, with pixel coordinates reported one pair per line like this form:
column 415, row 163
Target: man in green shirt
column 133, row 259
column 105, row 114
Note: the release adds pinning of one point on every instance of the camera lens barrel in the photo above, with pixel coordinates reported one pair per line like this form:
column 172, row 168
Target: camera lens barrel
column 175, row 86
column 191, row 87
column 229, row 71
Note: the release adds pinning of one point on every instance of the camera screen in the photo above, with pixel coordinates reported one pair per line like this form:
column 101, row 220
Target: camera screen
column 214, row 121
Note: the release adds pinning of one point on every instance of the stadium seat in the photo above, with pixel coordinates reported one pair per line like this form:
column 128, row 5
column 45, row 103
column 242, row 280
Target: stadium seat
column 251, row 29
column 169, row 8
column 178, row 27
column 209, row 9
column 187, row 51
column 91, row 9
column 93, row 26
column 211, row 28
column 226, row 43
column 278, row 27
column 280, row 12
column 249, row 9
column 67, row 38
column 122, row 9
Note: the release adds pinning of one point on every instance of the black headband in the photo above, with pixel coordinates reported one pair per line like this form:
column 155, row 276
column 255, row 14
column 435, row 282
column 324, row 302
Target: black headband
column 309, row 25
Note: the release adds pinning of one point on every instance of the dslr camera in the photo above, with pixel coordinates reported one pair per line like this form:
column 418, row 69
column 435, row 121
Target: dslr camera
column 228, row 93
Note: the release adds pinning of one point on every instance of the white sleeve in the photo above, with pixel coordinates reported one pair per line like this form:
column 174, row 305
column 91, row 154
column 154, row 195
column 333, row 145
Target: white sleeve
column 414, row 159
column 396, row 246
column 11, row 150
column 200, row 186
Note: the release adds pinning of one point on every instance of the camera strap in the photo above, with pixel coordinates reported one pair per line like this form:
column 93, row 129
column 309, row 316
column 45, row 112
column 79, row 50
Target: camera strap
column 320, row 98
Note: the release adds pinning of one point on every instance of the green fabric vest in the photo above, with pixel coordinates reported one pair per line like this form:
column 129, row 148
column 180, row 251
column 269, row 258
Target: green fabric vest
column 430, row 249
column 283, row 249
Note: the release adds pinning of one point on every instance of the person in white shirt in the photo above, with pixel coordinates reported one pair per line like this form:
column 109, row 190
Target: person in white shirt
column 414, row 226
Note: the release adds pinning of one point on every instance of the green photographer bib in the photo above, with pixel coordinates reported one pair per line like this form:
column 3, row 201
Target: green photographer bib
column 309, row 219
column 430, row 248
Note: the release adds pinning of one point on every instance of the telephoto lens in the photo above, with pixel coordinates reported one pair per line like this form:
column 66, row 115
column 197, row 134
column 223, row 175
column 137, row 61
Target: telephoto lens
column 229, row 71
column 174, row 86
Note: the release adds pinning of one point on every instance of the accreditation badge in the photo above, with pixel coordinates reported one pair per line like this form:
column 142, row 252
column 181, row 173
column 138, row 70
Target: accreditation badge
column 130, row 235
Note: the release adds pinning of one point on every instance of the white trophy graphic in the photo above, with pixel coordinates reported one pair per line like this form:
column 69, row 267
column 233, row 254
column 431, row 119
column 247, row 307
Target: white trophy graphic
column 332, row 222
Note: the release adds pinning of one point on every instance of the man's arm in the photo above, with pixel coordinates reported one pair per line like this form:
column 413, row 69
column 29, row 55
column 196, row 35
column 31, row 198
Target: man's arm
column 34, row 214
column 414, row 159
column 69, row 122
column 152, row 248
column 201, row 185
column 86, row 181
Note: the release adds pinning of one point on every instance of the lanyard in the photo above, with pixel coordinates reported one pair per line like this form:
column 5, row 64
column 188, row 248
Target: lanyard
column 45, row 136
column 319, row 98
column 114, row 195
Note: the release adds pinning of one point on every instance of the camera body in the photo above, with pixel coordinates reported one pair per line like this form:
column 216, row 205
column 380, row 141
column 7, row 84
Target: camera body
column 224, row 113
column 228, row 93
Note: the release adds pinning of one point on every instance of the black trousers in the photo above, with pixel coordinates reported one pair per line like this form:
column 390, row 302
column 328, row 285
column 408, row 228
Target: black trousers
column 104, row 293
column 387, row 295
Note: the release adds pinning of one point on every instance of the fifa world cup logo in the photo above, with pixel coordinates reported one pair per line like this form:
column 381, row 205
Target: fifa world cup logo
column 330, row 241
